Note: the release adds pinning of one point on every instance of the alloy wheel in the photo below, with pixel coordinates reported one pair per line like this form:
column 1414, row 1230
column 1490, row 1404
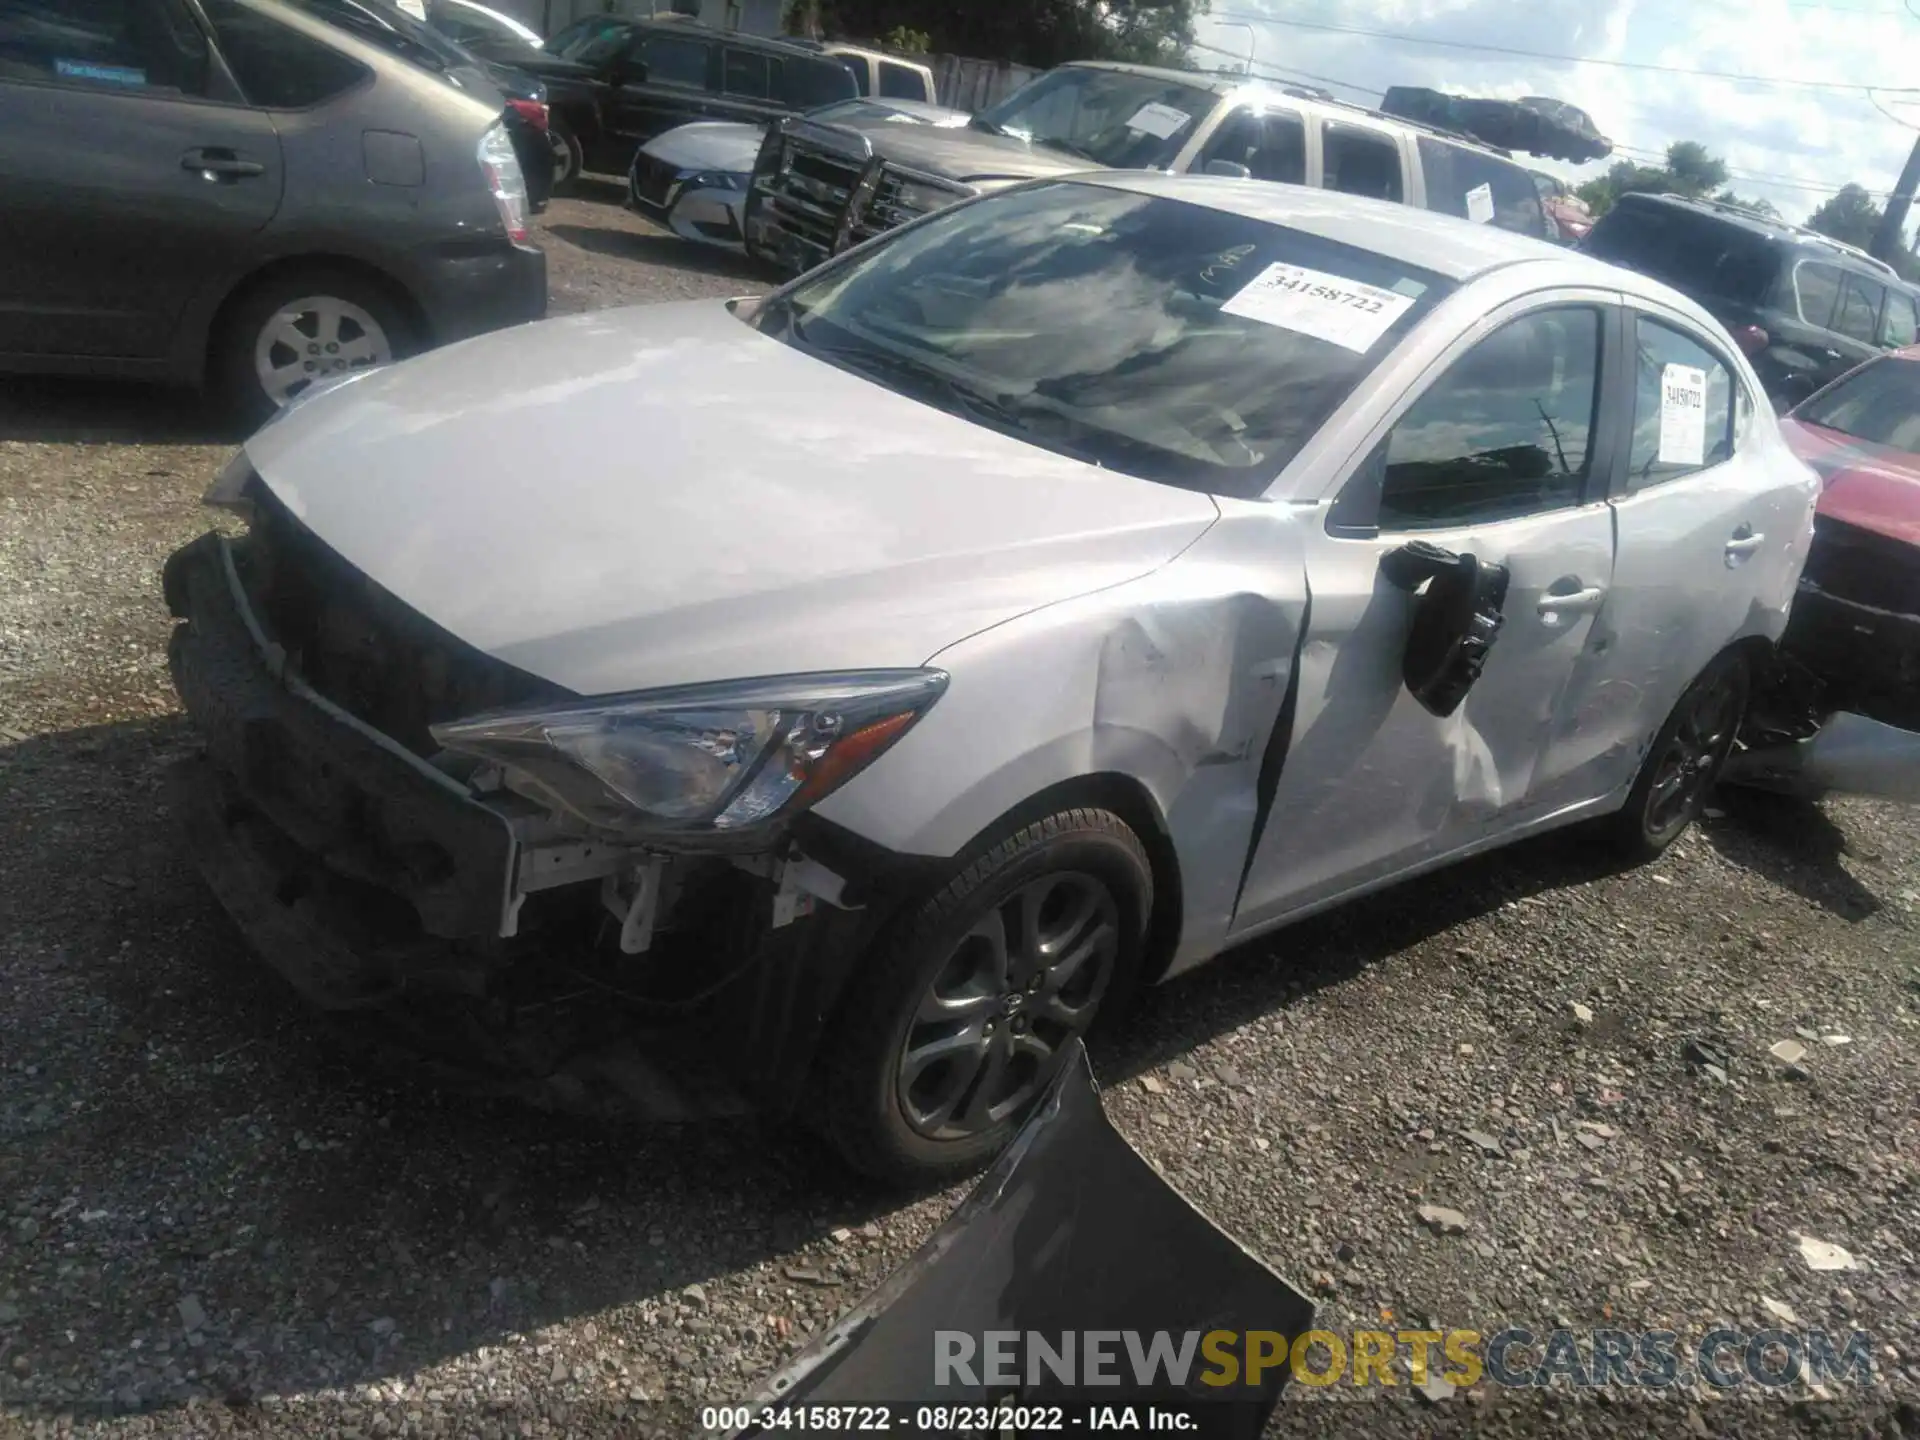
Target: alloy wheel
column 1694, row 755
column 562, row 157
column 1018, row 988
column 313, row 339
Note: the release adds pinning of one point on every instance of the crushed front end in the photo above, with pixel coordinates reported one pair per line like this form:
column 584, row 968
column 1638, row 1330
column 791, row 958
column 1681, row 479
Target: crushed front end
column 379, row 872
column 1855, row 626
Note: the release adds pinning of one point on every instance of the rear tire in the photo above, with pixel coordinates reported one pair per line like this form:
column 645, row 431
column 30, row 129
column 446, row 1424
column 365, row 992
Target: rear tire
column 963, row 1013
column 302, row 326
column 568, row 158
column 1684, row 761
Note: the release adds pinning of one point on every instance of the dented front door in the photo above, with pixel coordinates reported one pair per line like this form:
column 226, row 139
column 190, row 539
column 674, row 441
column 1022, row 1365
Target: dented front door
column 1506, row 456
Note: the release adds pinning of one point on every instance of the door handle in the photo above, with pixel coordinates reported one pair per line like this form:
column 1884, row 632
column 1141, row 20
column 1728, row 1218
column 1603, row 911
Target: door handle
column 1744, row 542
column 1571, row 602
column 215, row 162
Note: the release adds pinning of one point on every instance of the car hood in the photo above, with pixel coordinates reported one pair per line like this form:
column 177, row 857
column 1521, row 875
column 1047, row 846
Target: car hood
column 663, row 495
column 1871, row 487
column 708, row 145
column 965, row 154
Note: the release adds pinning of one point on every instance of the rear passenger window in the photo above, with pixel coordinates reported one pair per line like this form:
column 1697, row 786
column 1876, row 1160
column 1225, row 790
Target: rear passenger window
column 1273, row 146
column 1858, row 317
column 1900, row 326
column 276, row 67
column 1474, row 185
column 745, row 73
column 1358, row 161
column 1504, row 433
column 671, row 60
column 144, row 45
column 901, row 82
column 1817, row 287
column 809, row 84
column 1671, row 369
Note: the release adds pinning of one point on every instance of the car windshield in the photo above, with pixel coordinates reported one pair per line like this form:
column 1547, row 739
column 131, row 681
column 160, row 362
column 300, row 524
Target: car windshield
column 1110, row 117
column 1168, row 340
column 1878, row 403
column 1700, row 254
column 392, row 29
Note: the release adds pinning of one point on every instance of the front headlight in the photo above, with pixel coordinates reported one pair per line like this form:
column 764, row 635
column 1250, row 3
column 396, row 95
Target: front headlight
column 722, row 758
column 924, row 199
column 714, row 180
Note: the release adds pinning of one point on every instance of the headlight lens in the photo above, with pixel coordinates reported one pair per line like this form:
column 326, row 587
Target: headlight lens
column 723, row 758
column 714, row 180
column 924, row 199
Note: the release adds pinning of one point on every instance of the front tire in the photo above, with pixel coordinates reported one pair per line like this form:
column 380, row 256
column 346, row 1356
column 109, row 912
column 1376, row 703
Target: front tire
column 962, row 1017
column 1685, row 760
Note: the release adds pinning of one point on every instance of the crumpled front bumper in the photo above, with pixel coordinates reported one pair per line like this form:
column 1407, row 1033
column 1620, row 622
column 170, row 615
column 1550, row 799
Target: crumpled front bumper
column 1867, row 657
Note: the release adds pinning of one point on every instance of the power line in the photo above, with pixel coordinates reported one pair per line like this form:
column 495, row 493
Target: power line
column 1639, row 154
column 1283, row 71
column 1776, row 80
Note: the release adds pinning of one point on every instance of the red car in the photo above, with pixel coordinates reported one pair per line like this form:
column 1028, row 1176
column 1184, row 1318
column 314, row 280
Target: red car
column 1856, row 621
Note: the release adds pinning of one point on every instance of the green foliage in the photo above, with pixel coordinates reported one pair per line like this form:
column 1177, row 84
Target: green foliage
column 1041, row 33
column 906, row 41
column 1690, row 170
column 1850, row 215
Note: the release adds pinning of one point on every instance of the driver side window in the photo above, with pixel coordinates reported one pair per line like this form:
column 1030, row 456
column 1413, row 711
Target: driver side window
column 1505, row 432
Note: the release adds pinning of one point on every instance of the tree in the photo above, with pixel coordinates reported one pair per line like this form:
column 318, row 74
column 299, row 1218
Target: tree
column 1758, row 206
column 1041, row 33
column 1850, row 215
column 1690, row 170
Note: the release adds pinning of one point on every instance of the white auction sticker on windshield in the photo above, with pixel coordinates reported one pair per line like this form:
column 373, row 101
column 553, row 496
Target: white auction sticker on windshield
column 1683, row 415
column 1343, row 312
column 1480, row 203
column 1159, row 121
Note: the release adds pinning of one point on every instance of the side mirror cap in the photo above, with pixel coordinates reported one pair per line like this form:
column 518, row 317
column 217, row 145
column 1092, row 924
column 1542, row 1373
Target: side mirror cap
column 1230, row 169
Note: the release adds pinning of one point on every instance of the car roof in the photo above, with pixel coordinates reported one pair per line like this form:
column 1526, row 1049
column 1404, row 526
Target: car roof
column 1779, row 232
column 687, row 25
column 1457, row 249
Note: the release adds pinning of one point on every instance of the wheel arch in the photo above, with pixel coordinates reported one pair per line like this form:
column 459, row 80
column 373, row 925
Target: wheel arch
column 202, row 338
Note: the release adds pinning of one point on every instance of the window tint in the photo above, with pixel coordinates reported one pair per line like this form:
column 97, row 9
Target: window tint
column 745, row 73
column 1900, row 326
column 469, row 24
column 674, row 60
column 1818, row 288
column 1361, row 162
column 1273, row 146
column 103, row 45
column 592, row 42
column 390, row 28
column 1474, row 185
column 1505, row 432
column 806, row 84
column 1699, row 254
column 1858, row 317
column 900, row 82
column 1168, row 341
column 1659, row 349
column 276, row 66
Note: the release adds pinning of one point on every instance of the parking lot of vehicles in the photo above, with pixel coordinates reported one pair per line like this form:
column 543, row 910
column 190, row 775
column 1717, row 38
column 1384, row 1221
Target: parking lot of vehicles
column 1147, row 418
column 820, row 188
column 1806, row 308
column 216, row 1213
column 340, row 205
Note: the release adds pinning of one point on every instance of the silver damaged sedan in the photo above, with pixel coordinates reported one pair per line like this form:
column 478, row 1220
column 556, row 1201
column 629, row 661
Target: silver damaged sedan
column 854, row 692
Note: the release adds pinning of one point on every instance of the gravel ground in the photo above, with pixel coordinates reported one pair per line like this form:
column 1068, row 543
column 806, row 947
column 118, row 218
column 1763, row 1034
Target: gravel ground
column 215, row 1220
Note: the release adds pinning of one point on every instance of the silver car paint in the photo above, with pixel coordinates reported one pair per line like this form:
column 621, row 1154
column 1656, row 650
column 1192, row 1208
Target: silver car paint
column 1090, row 624
column 678, row 526
column 724, row 145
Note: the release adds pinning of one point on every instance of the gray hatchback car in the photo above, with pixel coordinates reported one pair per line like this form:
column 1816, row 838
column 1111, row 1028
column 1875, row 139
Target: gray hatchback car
column 231, row 193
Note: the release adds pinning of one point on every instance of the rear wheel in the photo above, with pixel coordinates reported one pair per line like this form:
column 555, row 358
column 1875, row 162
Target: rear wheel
column 296, row 329
column 568, row 159
column 1685, row 760
column 959, row 1024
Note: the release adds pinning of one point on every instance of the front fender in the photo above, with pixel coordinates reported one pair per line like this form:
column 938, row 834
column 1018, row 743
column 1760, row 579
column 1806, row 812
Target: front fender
column 1174, row 680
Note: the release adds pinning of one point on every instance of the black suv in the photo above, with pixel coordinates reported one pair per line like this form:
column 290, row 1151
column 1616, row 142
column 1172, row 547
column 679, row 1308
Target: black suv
column 1806, row 308
column 614, row 84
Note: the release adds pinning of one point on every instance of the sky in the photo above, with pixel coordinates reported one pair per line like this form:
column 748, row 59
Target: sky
column 1811, row 140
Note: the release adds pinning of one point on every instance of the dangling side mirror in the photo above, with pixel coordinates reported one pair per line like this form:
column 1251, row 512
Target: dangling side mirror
column 1456, row 618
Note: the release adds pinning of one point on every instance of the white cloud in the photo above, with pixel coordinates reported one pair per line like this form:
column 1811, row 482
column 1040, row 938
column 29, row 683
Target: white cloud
column 1811, row 141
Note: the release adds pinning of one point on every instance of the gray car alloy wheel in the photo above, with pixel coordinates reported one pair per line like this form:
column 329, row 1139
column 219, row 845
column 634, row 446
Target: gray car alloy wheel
column 1695, row 752
column 994, row 1025
column 316, row 338
column 562, row 156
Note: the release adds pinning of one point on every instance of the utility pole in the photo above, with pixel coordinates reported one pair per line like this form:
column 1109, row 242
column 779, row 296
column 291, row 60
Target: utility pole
column 1886, row 241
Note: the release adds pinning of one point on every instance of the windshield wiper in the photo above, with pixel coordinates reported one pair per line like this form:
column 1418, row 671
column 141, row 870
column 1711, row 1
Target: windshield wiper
column 997, row 409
